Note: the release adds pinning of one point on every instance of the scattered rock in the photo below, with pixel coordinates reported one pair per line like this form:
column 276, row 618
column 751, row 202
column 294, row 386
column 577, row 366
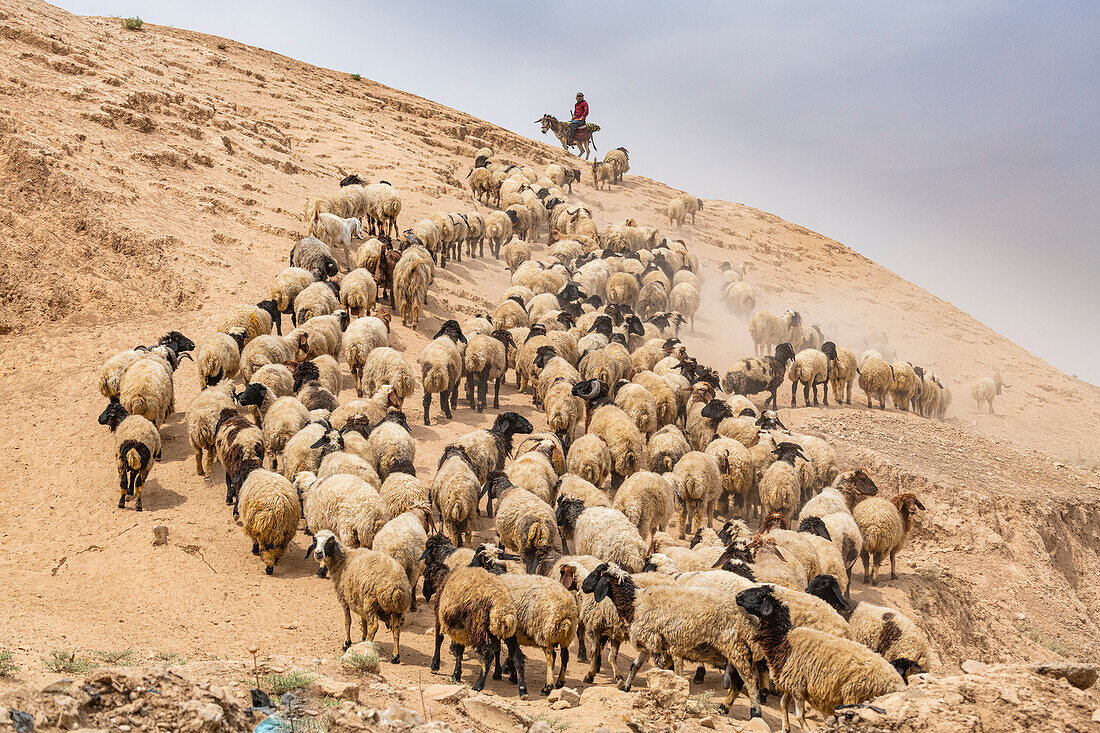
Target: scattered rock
column 756, row 725
column 395, row 715
column 335, row 688
column 202, row 716
column 446, row 693
column 567, row 695
column 160, row 535
column 492, row 713
column 667, row 690
column 560, row 705
column 1096, row 715
column 540, row 726
column 366, row 649
column 973, row 666
column 708, row 722
column 1081, row 676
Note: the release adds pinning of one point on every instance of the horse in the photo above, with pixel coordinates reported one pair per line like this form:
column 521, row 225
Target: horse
column 585, row 134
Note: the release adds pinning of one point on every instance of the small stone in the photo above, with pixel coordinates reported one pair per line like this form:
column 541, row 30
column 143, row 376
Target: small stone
column 540, row 726
column 560, row 705
column 446, row 693
column 953, row 700
column 756, row 725
column 1081, row 676
column 555, row 695
column 1096, row 715
column 316, row 660
column 334, row 688
column 160, row 535
column 1010, row 695
column 569, row 695
column 363, row 649
column 708, row 722
column 124, row 729
column 973, row 666
column 397, row 716
column 667, row 689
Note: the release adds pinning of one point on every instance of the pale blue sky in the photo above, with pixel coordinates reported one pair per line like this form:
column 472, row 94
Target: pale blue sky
column 956, row 143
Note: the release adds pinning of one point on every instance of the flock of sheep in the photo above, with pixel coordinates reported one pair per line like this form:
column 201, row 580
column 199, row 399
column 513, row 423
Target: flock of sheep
column 606, row 521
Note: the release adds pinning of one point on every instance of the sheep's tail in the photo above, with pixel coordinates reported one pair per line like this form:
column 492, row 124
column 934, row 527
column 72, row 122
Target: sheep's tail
column 565, row 630
column 502, row 623
column 536, row 536
column 457, row 513
column 313, row 210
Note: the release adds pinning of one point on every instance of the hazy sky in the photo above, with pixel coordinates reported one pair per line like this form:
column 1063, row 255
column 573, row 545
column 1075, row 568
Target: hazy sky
column 956, row 143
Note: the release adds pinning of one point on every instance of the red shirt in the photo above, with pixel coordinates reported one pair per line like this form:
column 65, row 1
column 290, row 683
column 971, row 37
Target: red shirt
column 580, row 111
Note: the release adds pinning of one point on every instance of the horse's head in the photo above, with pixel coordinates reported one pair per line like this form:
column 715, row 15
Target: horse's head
column 546, row 121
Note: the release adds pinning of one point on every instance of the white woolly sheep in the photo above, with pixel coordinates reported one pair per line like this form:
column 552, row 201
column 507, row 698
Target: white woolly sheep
column 219, row 356
column 647, row 500
column 358, row 292
column 455, row 492
column 385, row 365
column 884, row 525
column 404, row 538
column 371, row 584
column 390, row 442
column 411, row 277
column 202, row 423
column 441, row 367
column 985, row 389
column 486, row 359
column 603, row 532
column 268, row 509
column 336, row 231
column 876, row 378
column 780, row 485
column 904, row 389
column 282, row 421
column 137, row 445
column 590, row 458
column 768, row 330
column 700, row 485
column 676, row 213
column 318, row 299
column 809, row 368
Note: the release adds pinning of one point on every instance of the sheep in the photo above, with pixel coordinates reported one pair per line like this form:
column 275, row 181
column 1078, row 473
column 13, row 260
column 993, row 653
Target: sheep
column 904, row 388
column 147, row 389
column 780, row 485
column 881, row 629
column 666, row 447
column 761, row 374
column 563, row 410
column 498, row 230
column 486, row 359
column 282, row 421
column 842, row 371
column 337, row 460
column 405, row 538
column 681, row 622
column 739, row 299
column 676, row 213
column 884, row 525
column 269, row 512
column 810, row 368
column 202, row 420
column 391, row 441
column 358, row 292
column 609, row 422
column 318, row 299
column 598, row 621
column 299, row 455
column 384, row 365
column 383, row 206
column 668, row 404
column 604, row 532
column 370, row 583
column 219, row 356
column 546, row 618
column 402, row 490
column 411, row 277
column 313, row 255
column 573, row 486
column 813, row 666
column 137, row 445
column 821, row 456
column 515, row 253
column 619, row 160
column 590, row 458
column 700, row 485
column 488, row 449
column 475, row 233
column 985, row 389
column 366, row 412
column 685, row 299
column 266, row 350
column 455, row 492
column 534, row 471
column 441, row 368
column 647, row 500
column 876, row 378
column 110, row 374
column 767, row 330
column 692, row 205
column 369, row 254
column 511, row 313
column 334, row 230
column 476, row 609
column 637, row 402
column 481, row 184
column 524, row 522
column 602, row 173
column 847, row 490
column 766, row 561
column 736, row 470
column 622, row 289
column 362, row 512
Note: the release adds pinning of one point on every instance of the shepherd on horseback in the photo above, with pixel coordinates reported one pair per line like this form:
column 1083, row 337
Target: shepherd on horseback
column 578, row 132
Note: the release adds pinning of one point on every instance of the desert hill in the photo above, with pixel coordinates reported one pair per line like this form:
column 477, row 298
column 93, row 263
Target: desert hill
column 154, row 178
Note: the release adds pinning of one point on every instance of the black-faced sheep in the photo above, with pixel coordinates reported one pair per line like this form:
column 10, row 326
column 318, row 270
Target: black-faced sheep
column 884, row 525
column 137, row 445
column 762, row 374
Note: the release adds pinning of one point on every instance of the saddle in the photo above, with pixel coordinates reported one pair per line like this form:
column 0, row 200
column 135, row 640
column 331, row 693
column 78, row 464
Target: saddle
column 585, row 131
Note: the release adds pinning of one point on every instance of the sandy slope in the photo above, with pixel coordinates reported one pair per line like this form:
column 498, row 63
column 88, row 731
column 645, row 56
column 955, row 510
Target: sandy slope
column 152, row 179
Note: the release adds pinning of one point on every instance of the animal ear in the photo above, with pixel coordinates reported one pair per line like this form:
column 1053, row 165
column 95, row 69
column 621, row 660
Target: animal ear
column 767, row 606
column 917, row 502
column 313, row 546
column 778, row 553
column 602, row 588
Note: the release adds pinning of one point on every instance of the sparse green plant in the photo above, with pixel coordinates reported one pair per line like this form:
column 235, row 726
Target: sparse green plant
column 357, row 77
column 121, row 658
column 279, row 684
column 65, row 662
column 170, row 659
column 553, row 721
column 8, row 667
column 133, row 24
column 360, row 662
column 329, row 702
column 705, row 703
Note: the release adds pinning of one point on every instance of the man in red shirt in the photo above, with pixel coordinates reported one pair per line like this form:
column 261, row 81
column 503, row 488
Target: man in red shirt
column 580, row 114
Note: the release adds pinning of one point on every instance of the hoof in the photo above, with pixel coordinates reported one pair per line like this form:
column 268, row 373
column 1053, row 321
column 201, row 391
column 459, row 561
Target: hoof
column 396, row 659
column 121, row 503
column 434, row 666
column 347, row 645
column 723, row 709
column 582, row 658
column 138, row 508
column 478, row 687
column 559, row 684
column 755, row 713
column 546, row 690
column 497, row 676
column 624, row 687
column 700, row 675
column 522, row 692
column 588, row 679
column 270, row 570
